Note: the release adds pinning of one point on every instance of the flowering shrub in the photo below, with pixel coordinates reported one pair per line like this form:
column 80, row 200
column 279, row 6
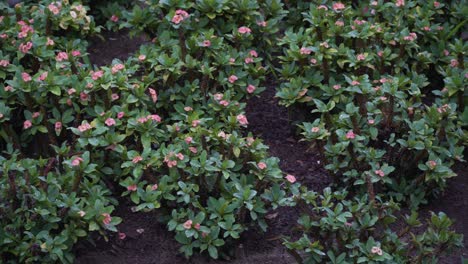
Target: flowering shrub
column 338, row 230
column 368, row 73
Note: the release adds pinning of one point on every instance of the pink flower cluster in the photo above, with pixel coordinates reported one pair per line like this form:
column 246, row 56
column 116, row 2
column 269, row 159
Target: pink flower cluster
column 61, row 56
column 153, row 94
column 25, row 29
column 55, row 9
column 84, row 127
column 173, row 162
column 412, row 36
column 25, row 47
column 377, row 250
column 4, row 63
column 242, row 119
column 118, row 67
column 179, row 16
column 244, row 30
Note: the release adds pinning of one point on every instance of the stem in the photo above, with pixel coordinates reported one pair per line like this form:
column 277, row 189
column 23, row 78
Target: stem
column 183, row 48
column 370, row 189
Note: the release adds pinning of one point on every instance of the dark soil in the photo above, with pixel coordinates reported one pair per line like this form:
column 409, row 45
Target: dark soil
column 152, row 243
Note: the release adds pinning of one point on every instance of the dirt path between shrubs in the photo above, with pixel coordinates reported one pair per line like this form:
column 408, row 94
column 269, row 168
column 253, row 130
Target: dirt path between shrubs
column 148, row 241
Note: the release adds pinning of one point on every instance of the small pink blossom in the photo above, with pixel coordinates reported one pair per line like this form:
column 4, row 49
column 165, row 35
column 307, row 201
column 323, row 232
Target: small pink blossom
column 233, row 78
column 188, row 224
column 244, row 30
column 338, row 6
column 313, row 61
column 61, row 56
column 116, row 68
column 142, row 57
column 290, row 178
column 248, row 60
column 436, row 4
column 350, row 135
column 361, row 57
column 4, row 63
column 355, row 82
column 27, row 124
column 110, row 122
column 188, row 140
column 251, row 88
column 188, row 109
column 180, row 156
column 197, row 226
column 262, row 165
column 26, row 77
column 71, row 91
column 81, row 213
column 371, row 121
column 193, row 150
column 96, row 75
column 114, row 97
column 262, row 23
column 83, row 96
column 315, row 129
column 76, row 53
column 224, row 103
column 43, row 76
column 122, row 235
column 54, row 9
column 8, row 88
column 120, row 115
column 453, row 63
column 107, row 218
column 432, row 164
column 380, row 173
column 153, row 94
column 137, row 159
column 377, row 250
column 24, row 48
column 84, row 127
column 132, row 188
column 339, row 23
column 49, row 42
column 76, row 161
column 154, row 187
column 114, row 18
column 218, row 96
column 142, row 120
column 400, row 3
column 206, row 43
column 36, row 115
column 58, row 126
column 324, row 7
column 336, row 86
column 154, row 117
column 253, row 53
column 305, row 51
column 195, row 123
column 380, row 53
column 242, row 119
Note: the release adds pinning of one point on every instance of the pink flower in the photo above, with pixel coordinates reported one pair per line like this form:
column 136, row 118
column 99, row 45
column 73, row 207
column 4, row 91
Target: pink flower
column 58, row 126
column 262, row 165
column 116, row 68
column 176, row 19
column 49, row 42
column 61, row 56
column 195, row 123
column 242, row 119
column 193, row 150
column 244, row 30
column 338, row 6
column 305, row 51
column 76, row 53
column 232, row 60
column 371, row 121
column 224, row 103
column 96, row 75
column 380, row 53
column 137, row 159
column 436, row 4
column 432, row 164
column 36, row 115
column 8, row 88
column 262, row 23
column 142, row 120
column 339, row 23
column 182, row 13
column 251, row 88
column 24, row 48
column 380, row 173
column 76, row 161
column 336, row 86
column 188, row 140
column 27, row 124
column 114, row 18
column 82, row 213
column 188, row 224
column 26, row 77
column 114, row 96
column 400, row 3
column 43, row 76
column 324, row 7
column 110, row 121
column 120, row 115
column 383, row 98
column 313, row 61
column 154, row 187
column 355, row 82
column 180, row 156
column 361, row 57
column 54, row 9
column 141, row 57
column 132, row 188
column 107, row 218
column 377, row 250
column 197, row 226
column 83, row 96
column 122, row 236
column 84, row 127
column 153, row 94
column 248, row 60
column 290, row 178
column 155, row 117
column 253, row 53
column 206, row 43
column 232, row 78
column 374, row 3
column 350, row 135
column 453, row 63
column 218, row 96
column 4, row 63
column 315, row 129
